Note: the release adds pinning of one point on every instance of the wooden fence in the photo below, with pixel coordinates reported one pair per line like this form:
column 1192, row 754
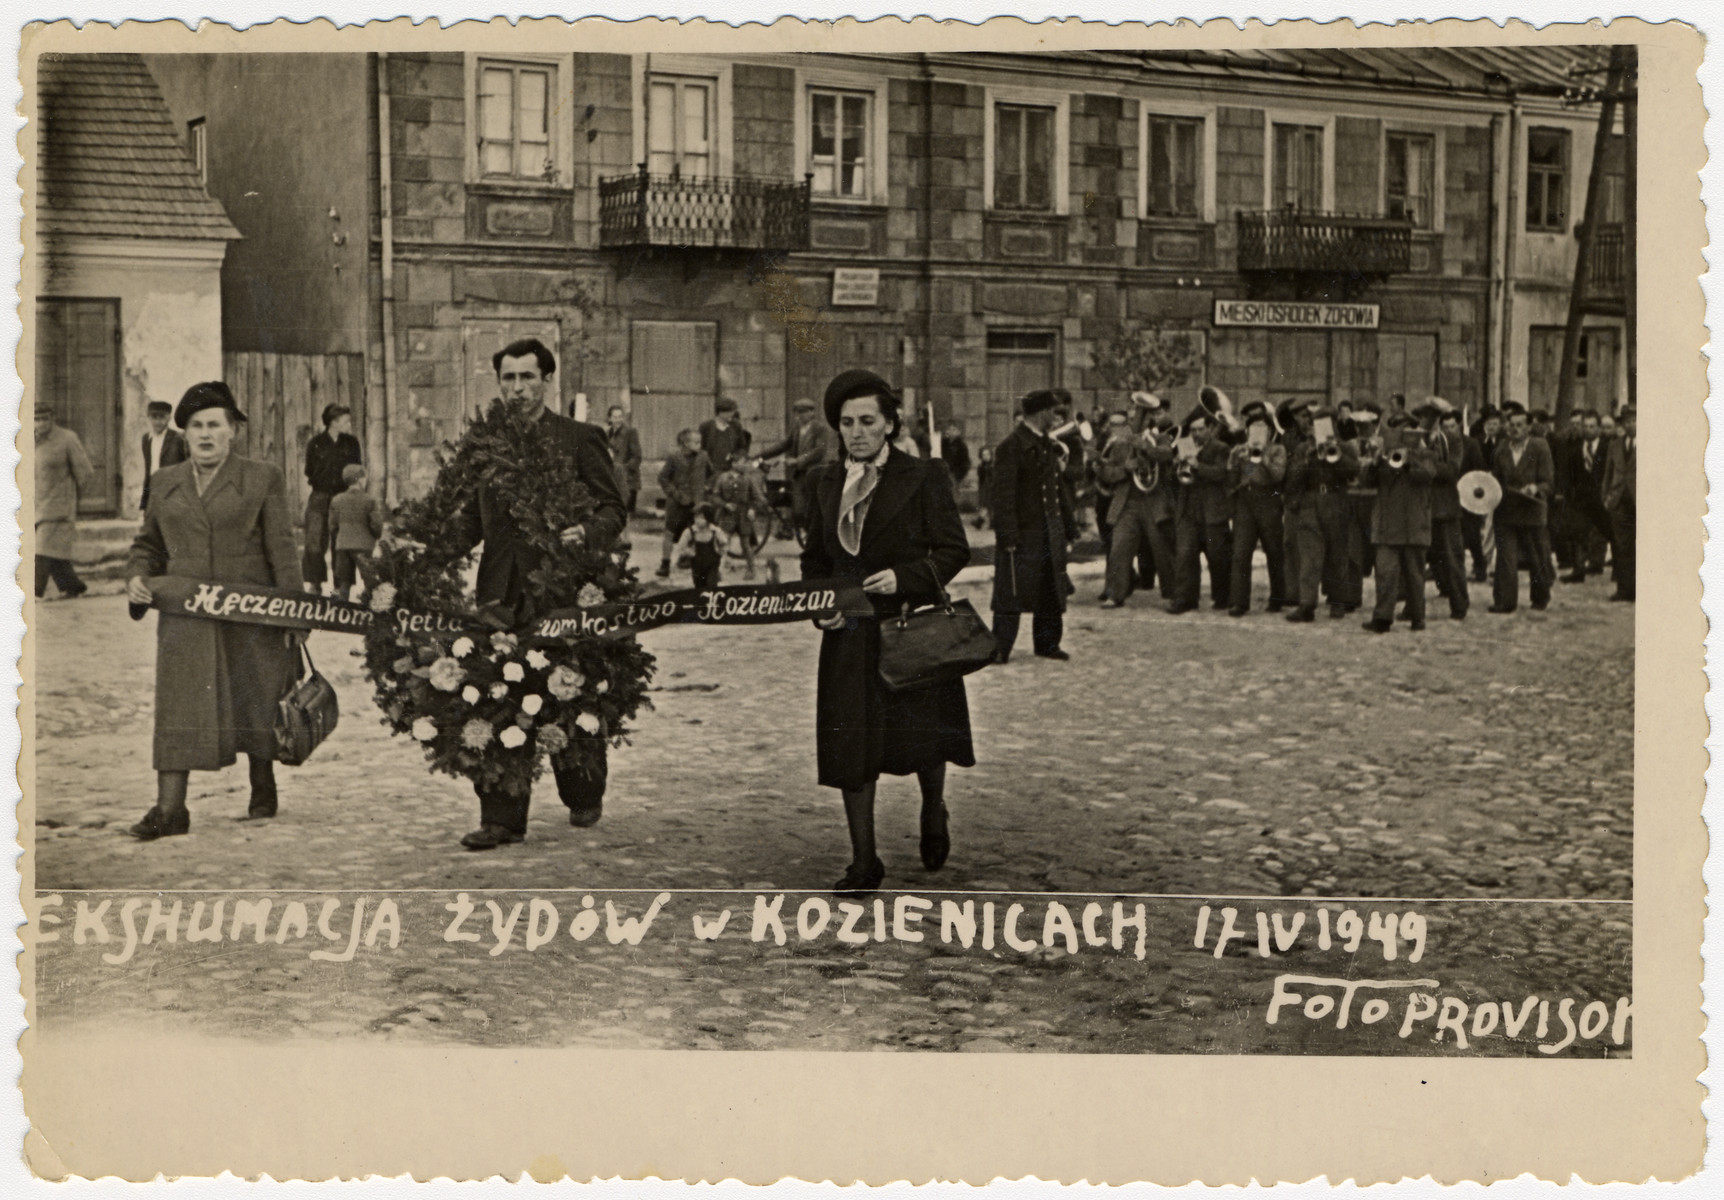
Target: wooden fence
column 283, row 396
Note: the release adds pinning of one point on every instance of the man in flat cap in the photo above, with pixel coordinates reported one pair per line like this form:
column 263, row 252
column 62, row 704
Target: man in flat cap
column 163, row 444
column 1033, row 526
column 1318, row 472
column 327, row 456
column 62, row 471
column 808, row 447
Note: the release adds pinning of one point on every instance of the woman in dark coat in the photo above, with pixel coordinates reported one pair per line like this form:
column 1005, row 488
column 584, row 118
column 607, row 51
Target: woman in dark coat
column 224, row 519
column 886, row 520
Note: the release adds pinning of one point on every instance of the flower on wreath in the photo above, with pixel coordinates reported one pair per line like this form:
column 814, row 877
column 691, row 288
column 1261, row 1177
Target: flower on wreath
column 532, row 704
column 382, row 598
column 552, row 739
column 603, row 686
column 503, row 643
column 513, row 738
column 470, row 694
column 588, row 722
column 462, row 647
column 476, row 734
column 514, row 672
column 564, row 683
column 537, row 660
column 425, row 729
column 403, row 665
column 589, row 595
column 499, row 690
column 446, row 674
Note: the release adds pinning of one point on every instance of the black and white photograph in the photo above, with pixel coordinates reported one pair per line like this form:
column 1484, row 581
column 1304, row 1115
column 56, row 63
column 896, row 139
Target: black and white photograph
column 1124, row 551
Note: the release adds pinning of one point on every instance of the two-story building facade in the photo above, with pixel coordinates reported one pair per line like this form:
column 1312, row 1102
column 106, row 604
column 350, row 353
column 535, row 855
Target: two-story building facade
column 1345, row 225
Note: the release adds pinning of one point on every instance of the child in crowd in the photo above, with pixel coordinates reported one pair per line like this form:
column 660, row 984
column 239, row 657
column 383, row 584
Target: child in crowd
column 684, row 479
column 355, row 523
column 740, row 492
column 705, row 541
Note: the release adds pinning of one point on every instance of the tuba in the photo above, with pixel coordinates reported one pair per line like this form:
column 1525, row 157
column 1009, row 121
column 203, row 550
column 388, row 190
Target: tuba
column 1147, row 476
column 1216, row 403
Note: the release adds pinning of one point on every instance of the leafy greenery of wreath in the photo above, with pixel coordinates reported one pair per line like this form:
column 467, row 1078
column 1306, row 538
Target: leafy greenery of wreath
column 489, row 700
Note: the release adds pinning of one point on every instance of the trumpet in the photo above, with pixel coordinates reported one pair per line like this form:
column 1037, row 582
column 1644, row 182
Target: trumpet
column 1330, row 452
column 1186, row 471
column 1255, row 454
column 1397, row 459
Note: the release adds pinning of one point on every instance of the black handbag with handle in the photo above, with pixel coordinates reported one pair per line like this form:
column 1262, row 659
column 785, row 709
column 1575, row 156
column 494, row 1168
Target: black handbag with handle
column 306, row 714
column 935, row 644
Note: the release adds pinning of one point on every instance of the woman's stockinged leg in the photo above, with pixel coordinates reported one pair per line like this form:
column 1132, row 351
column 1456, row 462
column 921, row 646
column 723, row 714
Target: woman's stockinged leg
column 263, row 799
column 936, row 840
column 171, row 791
column 859, row 816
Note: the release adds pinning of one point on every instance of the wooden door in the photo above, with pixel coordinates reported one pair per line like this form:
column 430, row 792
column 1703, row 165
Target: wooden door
column 673, row 380
column 1019, row 362
column 1596, row 371
column 1299, row 364
column 1406, row 363
column 482, row 337
column 78, row 372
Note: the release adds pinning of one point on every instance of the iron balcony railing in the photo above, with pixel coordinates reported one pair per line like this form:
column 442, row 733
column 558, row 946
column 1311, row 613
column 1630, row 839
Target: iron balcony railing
column 644, row 209
column 1606, row 263
column 1324, row 243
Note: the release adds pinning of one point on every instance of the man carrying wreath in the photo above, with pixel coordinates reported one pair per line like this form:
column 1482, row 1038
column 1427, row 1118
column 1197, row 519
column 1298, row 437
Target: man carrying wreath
column 523, row 370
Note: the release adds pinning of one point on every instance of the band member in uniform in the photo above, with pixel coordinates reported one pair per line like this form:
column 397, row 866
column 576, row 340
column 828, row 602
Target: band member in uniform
column 1401, row 469
column 1318, row 472
column 1255, row 472
column 1472, row 459
column 1136, row 466
column 1361, row 502
column 1115, row 428
column 1523, row 466
column 1448, row 464
column 1293, row 431
column 1033, row 527
column 1619, row 499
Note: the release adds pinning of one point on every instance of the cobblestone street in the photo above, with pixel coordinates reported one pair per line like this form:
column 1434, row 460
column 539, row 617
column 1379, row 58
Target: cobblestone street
column 1486, row 761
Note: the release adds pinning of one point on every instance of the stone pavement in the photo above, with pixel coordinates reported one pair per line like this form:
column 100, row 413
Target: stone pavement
column 1487, row 762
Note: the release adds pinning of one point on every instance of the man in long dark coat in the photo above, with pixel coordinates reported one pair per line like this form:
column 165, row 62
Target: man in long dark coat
column 1033, row 526
column 523, row 370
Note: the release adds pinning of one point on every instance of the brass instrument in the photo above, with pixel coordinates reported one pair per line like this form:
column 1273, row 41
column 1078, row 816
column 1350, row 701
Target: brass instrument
column 1186, row 471
column 1254, row 455
column 1330, row 452
column 1147, row 476
column 1397, row 459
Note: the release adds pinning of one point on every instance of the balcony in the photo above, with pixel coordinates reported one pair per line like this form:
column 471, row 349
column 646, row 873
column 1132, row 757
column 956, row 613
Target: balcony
column 1604, row 286
column 646, row 211
column 1332, row 245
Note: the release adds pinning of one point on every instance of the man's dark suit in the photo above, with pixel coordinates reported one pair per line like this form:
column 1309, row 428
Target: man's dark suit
column 173, row 451
column 1583, row 492
column 1521, row 523
column 1033, row 522
column 1448, row 552
column 502, row 588
column 1618, row 492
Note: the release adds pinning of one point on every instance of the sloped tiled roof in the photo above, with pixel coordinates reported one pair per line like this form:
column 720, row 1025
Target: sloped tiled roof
column 1477, row 70
column 110, row 162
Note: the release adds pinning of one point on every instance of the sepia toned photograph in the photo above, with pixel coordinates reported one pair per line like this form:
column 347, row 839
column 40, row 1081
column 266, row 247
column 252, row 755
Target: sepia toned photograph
column 556, row 545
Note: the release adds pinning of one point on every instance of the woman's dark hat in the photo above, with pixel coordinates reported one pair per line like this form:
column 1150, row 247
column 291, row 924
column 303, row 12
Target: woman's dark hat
column 1040, row 401
column 847, row 385
column 200, row 396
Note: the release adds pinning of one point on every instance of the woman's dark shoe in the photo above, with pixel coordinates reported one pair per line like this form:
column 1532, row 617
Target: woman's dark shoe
column 936, row 844
column 263, row 804
column 157, row 824
column 861, row 878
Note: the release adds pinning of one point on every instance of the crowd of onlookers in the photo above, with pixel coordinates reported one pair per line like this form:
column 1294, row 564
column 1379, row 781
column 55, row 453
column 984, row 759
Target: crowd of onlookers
column 1333, row 494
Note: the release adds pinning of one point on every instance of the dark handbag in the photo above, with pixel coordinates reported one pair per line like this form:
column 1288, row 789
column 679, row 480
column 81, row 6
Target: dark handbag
column 305, row 716
column 931, row 645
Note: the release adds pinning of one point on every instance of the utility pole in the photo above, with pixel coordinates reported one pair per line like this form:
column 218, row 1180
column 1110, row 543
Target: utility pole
column 1619, row 89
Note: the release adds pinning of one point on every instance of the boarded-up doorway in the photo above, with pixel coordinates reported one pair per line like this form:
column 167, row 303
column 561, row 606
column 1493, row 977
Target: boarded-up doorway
column 673, row 380
column 78, row 372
